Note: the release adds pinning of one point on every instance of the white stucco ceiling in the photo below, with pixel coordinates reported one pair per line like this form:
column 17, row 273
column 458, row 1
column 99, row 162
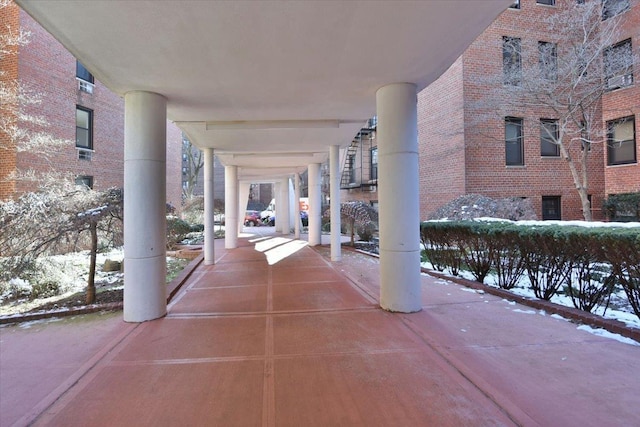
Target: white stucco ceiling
column 273, row 77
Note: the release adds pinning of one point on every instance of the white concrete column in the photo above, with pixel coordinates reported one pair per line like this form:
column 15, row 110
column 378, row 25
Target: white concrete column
column 334, row 194
column 243, row 201
column 283, row 209
column 315, row 205
column 230, row 207
column 145, row 225
column 209, row 224
column 296, row 192
column 277, row 196
column 293, row 202
column 398, row 198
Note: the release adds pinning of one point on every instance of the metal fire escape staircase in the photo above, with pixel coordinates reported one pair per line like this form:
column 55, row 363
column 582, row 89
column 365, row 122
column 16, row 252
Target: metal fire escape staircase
column 349, row 178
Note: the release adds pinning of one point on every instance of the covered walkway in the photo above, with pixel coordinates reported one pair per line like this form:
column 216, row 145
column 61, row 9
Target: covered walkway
column 275, row 335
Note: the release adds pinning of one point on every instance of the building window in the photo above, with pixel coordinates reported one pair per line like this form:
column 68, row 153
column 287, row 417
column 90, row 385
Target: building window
column 621, row 141
column 374, row 163
column 612, row 8
column 551, row 207
column 83, row 73
column 511, row 60
column 351, row 164
column 514, row 151
column 548, row 60
column 84, row 128
column 547, row 2
column 85, row 180
column 515, row 5
column 585, row 139
column 549, row 136
column 618, row 65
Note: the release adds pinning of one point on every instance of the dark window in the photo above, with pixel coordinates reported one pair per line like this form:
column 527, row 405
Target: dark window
column 83, row 73
column 514, row 152
column 585, row 139
column 614, row 7
column 85, row 180
column 621, row 141
column 548, row 138
column 84, row 128
column 515, row 5
column 618, row 65
column 374, row 163
column 548, row 59
column 351, row 163
column 551, row 207
column 511, row 60
column 547, row 2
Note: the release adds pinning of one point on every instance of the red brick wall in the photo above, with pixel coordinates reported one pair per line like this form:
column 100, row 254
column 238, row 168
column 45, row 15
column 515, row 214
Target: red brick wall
column 456, row 160
column 441, row 140
column 9, row 19
column 625, row 102
column 47, row 68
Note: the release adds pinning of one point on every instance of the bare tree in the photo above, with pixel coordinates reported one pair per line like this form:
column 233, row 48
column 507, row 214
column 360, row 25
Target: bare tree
column 55, row 219
column 564, row 80
column 22, row 129
column 357, row 215
column 192, row 163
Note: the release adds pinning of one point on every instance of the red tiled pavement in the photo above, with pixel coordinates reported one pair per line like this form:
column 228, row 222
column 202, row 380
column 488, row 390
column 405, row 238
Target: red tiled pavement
column 275, row 335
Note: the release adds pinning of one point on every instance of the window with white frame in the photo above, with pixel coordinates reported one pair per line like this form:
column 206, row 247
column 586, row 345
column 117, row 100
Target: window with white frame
column 611, row 8
column 374, row 163
column 514, row 150
column 618, row 65
column 548, row 60
column 548, row 138
column 85, row 180
column 511, row 60
column 621, row 141
column 84, row 128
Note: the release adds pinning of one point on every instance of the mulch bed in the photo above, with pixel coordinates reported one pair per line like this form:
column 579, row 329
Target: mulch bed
column 78, row 300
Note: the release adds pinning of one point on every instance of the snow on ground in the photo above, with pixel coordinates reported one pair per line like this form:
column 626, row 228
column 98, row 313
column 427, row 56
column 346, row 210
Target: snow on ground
column 621, row 311
column 606, row 334
column 591, row 224
column 619, row 308
column 70, row 271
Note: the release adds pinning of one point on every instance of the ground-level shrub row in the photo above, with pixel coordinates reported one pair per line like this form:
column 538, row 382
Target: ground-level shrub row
column 586, row 262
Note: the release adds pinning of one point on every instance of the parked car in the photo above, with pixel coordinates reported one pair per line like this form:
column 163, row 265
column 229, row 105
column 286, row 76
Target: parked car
column 270, row 220
column 252, row 218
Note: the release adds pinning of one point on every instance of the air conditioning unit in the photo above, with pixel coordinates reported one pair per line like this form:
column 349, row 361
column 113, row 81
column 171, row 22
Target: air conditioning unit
column 84, row 154
column 620, row 81
column 85, row 86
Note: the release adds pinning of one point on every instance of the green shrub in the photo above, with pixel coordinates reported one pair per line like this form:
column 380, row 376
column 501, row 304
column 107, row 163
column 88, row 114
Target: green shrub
column 45, row 290
column 177, row 229
column 587, row 262
column 622, row 207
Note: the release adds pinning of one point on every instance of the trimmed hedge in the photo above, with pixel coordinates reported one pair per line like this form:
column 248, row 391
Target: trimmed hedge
column 586, row 262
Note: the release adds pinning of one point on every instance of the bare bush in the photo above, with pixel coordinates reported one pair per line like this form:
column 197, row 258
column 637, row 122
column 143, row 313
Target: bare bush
column 472, row 206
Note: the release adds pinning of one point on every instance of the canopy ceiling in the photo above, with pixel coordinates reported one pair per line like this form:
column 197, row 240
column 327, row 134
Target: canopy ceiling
column 269, row 85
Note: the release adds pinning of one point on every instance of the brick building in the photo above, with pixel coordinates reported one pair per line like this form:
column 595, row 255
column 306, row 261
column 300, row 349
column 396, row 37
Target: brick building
column 78, row 108
column 465, row 148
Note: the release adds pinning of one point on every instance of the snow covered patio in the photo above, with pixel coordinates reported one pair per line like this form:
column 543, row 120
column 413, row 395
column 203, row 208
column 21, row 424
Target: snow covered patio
column 275, row 335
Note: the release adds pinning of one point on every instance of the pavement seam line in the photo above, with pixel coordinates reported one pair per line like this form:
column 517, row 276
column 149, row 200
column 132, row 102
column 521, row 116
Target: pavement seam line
column 478, row 383
column 59, row 393
column 269, row 398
